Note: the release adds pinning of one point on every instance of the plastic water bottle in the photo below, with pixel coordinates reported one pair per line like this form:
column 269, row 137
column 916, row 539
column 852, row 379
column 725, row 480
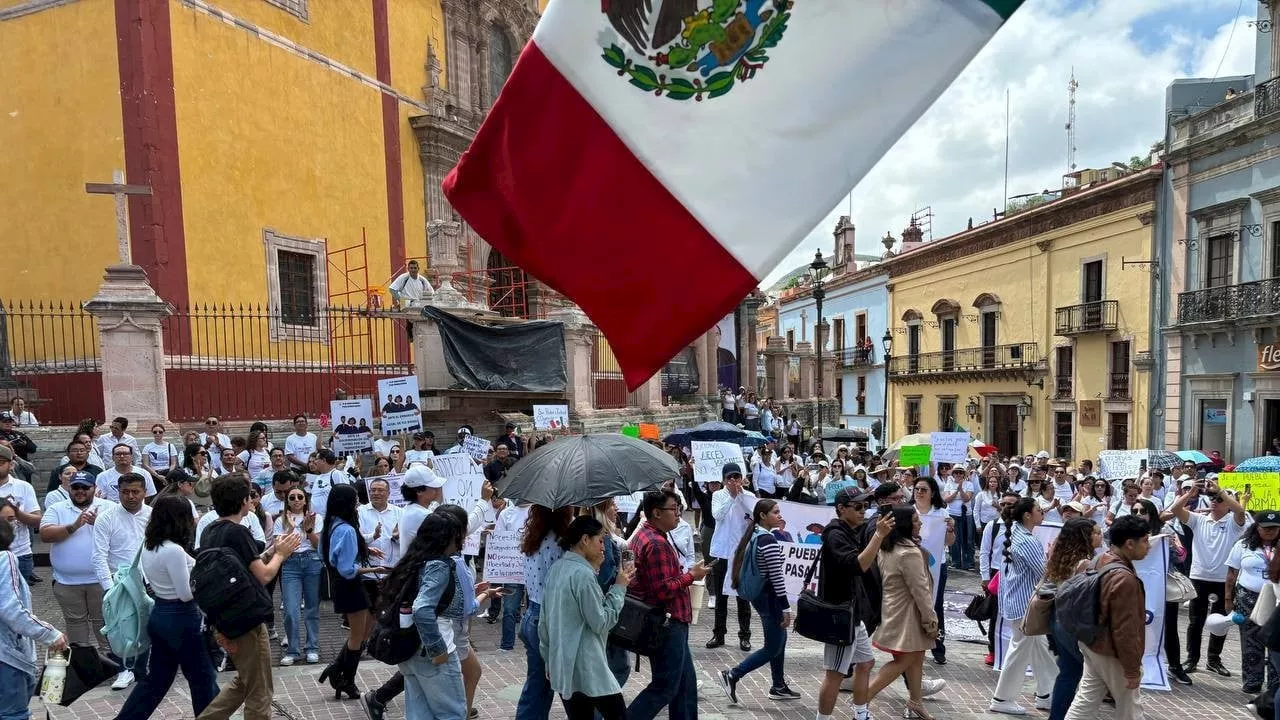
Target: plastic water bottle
column 54, row 678
column 406, row 617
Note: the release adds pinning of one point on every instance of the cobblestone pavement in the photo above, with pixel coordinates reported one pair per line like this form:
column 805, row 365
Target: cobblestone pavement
column 970, row 682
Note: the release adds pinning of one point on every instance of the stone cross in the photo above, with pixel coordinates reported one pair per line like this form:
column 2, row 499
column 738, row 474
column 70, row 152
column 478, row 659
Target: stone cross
column 121, row 191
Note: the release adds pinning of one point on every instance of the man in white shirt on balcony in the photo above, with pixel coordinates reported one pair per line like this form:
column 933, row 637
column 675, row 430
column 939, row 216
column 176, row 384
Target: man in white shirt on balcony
column 410, row 289
column 117, row 535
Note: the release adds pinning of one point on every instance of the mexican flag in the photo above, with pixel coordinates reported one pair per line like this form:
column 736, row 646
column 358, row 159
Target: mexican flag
column 654, row 159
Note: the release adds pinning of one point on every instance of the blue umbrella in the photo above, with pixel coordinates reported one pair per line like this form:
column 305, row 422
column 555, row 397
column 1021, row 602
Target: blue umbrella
column 1194, row 456
column 714, row 431
column 1266, row 463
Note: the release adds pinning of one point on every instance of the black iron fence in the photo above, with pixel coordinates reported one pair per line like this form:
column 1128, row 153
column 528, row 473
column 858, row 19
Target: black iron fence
column 1090, row 317
column 1257, row 299
column 967, row 360
column 1266, row 98
column 857, row 357
column 49, row 355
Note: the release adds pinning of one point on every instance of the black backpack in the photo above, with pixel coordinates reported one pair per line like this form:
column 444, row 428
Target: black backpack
column 232, row 599
column 1079, row 602
column 392, row 644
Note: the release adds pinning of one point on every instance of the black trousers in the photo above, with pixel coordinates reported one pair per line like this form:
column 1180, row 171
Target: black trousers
column 1172, row 644
column 719, row 572
column 581, row 707
column 1200, row 609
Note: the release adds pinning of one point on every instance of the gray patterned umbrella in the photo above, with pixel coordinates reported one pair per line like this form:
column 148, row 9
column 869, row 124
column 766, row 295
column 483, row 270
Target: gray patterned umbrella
column 587, row 469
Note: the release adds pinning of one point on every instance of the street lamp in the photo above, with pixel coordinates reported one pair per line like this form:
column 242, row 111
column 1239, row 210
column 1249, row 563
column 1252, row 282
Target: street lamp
column 1024, row 412
column 972, row 408
column 887, row 342
column 818, row 268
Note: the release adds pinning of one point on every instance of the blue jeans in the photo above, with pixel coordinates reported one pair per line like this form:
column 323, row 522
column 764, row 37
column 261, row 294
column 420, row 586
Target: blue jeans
column 962, row 548
column 1070, row 670
column 16, row 689
column 174, row 629
column 300, row 581
column 774, row 651
column 433, row 692
column 27, row 566
column 536, row 696
column 674, row 684
column 510, row 615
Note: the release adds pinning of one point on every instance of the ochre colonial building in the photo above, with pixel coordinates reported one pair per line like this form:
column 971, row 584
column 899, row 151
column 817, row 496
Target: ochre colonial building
column 1032, row 331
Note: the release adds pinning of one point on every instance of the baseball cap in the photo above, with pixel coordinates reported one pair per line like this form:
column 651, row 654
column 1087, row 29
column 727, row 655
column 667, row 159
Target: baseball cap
column 6, row 416
column 82, row 478
column 1042, row 455
column 465, row 429
column 5, row 453
column 510, row 425
column 1267, row 518
column 1077, row 506
column 848, row 496
column 420, row 476
column 731, row 469
column 1188, row 483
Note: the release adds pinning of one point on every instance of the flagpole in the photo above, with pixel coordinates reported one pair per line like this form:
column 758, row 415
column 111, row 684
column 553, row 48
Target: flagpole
column 1006, row 151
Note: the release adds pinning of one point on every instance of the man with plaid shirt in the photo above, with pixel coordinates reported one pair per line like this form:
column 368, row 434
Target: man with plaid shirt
column 659, row 581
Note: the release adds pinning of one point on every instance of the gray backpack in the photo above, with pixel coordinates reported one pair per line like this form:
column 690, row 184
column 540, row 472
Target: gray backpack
column 1079, row 601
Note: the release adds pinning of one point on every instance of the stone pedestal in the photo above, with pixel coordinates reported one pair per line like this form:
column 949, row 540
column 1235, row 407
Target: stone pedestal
column 579, row 343
column 131, row 345
column 808, row 363
column 712, row 339
column 706, row 372
column 829, row 378
column 649, row 395
column 776, row 360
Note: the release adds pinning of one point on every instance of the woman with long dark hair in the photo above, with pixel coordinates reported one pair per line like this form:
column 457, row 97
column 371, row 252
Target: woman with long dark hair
column 174, row 625
column 928, row 503
column 541, row 548
column 300, row 577
column 472, row 604
column 1076, row 543
column 344, row 548
column 771, row 604
column 1020, row 573
column 909, row 625
column 1246, row 574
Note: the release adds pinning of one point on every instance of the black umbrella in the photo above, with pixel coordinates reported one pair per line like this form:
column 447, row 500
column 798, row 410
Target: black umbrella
column 714, row 431
column 585, row 470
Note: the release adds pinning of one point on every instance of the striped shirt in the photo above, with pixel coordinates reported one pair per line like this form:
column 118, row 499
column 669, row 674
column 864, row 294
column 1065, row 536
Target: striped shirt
column 769, row 559
column 1020, row 574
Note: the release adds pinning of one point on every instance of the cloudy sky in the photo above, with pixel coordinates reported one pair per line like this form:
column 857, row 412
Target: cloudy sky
column 1124, row 52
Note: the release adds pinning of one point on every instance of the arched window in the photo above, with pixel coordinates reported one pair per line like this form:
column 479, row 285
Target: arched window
column 499, row 60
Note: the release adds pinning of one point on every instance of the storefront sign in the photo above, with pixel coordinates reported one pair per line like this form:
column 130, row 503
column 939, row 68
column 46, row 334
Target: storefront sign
column 1090, row 413
column 1269, row 356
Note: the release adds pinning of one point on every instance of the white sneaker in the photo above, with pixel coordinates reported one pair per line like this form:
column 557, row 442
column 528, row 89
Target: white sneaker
column 313, row 658
column 711, row 602
column 1044, row 703
column 931, row 686
column 287, row 660
column 275, row 634
column 123, row 680
column 1008, row 707
column 284, row 641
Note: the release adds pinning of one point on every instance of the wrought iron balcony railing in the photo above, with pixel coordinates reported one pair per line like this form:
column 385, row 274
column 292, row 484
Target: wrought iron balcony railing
column 1091, row 317
column 991, row 359
column 1258, row 300
column 857, row 357
column 1118, row 387
column 1062, row 386
column 1266, row 98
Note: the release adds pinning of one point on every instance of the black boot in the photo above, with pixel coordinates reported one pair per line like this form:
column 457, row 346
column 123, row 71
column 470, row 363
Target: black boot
column 333, row 672
column 350, row 663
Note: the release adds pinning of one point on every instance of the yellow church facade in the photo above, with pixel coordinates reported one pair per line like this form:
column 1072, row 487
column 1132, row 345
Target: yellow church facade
column 1033, row 331
column 292, row 149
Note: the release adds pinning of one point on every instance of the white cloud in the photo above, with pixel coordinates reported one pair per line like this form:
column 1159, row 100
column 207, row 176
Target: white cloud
column 953, row 158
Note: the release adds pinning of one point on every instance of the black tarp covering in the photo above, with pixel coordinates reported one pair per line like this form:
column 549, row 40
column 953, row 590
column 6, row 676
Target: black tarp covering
column 526, row 357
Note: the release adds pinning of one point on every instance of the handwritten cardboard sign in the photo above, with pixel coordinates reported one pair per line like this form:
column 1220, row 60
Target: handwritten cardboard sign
column 550, row 417
column 1265, row 487
column 1117, row 464
column 709, row 459
column 503, row 561
column 477, row 447
column 949, row 447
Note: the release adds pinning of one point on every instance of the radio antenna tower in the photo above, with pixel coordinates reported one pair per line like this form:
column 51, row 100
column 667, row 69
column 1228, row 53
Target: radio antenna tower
column 1071, row 122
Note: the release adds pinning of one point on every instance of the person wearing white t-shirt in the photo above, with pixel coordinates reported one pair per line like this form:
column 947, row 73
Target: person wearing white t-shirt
column 300, row 445
column 323, row 477
column 1064, row 485
column 422, row 449
column 107, row 480
column 117, row 536
column 256, row 459
column 67, row 526
column 159, row 456
column 423, row 490
column 409, row 289
column 215, row 442
column 1212, row 536
column 732, row 507
column 1247, row 567
column 250, row 522
column 105, row 444
column 19, row 495
column 957, row 493
column 300, row 578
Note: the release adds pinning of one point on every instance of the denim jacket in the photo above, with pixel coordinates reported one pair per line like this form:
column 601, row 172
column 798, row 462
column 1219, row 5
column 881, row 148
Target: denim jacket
column 435, row 579
column 19, row 627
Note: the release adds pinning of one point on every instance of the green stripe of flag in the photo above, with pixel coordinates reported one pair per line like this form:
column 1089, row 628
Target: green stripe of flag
column 1003, row 8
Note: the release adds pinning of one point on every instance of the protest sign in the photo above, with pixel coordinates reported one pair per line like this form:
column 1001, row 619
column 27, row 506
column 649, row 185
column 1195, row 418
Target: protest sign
column 709, row 459
column 1116, row 464
column 804, row 523
column 550, row 417
column 352, row 426
column 394, row 482
column 648, row 431
column 949, row 447
column 477, row 447
column 796, row 560
column 399, row 410
column 1264, row 486
column 628, row 504
column 632, row 431
column 503, row 561
column 914, row 455
column 462, row 479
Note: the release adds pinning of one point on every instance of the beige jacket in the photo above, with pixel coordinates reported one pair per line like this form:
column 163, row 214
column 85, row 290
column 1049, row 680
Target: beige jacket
column 908, row 622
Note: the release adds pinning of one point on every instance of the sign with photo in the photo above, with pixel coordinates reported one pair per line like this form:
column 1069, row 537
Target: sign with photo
column 399, row 410
column 550, row 417
column 352, row 426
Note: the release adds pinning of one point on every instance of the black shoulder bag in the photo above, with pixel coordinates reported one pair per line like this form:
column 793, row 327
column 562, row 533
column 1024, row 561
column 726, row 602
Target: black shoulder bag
column 826, row 622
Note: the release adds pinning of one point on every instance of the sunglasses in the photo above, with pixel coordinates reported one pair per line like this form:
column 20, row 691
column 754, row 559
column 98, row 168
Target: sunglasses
column 297, row 497
column 210, row 422
column 857, row 507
